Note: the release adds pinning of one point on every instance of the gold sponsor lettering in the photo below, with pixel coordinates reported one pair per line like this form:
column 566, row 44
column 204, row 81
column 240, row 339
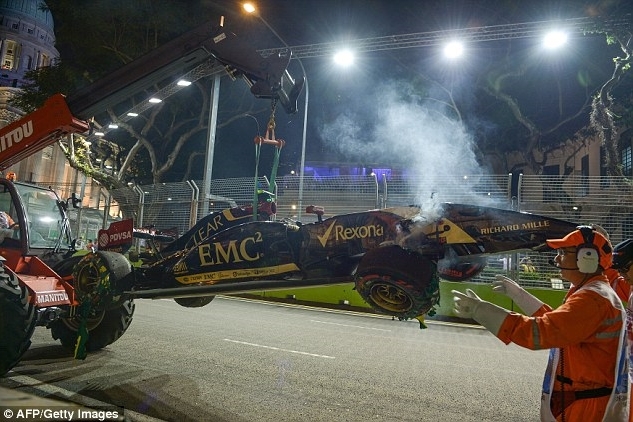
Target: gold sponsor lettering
column 531, row 225
column 535, row 224
column 180, row 267
column 204, row 232
column 500, row 229
column 349, row 233
column 361, row 232
column 216, row 276
column 233, row 252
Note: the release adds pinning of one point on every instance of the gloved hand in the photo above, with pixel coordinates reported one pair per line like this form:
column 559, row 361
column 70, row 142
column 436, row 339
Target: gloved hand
column 510, row 288
column 470, row 305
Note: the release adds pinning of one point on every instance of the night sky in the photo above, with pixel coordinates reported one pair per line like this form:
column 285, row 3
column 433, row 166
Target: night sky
column 378, row 111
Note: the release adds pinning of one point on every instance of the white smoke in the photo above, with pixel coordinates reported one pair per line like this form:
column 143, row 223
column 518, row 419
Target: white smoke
column 394, row 127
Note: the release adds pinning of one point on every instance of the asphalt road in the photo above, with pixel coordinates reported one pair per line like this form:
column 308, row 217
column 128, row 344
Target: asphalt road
column 241, row 360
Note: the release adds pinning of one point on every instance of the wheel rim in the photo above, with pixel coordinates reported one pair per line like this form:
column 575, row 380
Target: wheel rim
column 388, row 296
column 87, row 281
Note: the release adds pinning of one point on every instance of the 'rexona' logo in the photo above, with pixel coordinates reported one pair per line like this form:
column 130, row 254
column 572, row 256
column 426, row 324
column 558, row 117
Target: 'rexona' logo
column 349, row 233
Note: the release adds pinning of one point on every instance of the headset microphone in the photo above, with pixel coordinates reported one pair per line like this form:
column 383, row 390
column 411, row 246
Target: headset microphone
column 555, row 264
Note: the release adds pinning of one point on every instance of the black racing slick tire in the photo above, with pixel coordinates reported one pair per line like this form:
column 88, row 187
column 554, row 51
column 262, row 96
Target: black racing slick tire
column 108, row 317
column 17, row 321
column 397, row 282
column 104, row 327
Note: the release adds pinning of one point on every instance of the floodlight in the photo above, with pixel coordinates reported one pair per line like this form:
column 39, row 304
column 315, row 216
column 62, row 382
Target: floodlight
column 344, row 58
column 554, row 39
column 454, row 49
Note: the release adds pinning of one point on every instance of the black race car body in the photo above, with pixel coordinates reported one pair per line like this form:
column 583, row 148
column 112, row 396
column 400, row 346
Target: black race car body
column 380, row 250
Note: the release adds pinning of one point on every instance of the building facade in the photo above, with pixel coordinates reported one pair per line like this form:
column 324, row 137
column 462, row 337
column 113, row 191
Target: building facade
column 27, row 42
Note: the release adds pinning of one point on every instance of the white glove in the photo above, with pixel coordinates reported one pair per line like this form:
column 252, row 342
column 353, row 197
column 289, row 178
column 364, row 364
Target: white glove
column 470, row 305
column 510, row 288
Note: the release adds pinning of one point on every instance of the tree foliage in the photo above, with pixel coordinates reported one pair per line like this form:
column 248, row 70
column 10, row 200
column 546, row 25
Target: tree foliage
column 95, row 38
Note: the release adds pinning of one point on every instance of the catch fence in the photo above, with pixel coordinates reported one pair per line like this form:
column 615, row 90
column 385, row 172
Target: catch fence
column 606, row 201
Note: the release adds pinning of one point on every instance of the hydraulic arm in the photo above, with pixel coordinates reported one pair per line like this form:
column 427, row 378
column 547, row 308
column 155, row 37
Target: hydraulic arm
column 59, row 116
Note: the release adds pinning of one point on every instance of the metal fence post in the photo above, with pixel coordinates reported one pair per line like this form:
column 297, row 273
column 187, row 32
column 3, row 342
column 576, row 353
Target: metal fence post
column 195, row 196
column 141, row 205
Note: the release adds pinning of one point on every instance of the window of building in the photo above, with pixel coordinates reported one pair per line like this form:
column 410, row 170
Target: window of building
column 8, row 61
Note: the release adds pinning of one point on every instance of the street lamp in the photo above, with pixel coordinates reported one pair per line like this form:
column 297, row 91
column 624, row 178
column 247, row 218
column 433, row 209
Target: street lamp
column 251, row 9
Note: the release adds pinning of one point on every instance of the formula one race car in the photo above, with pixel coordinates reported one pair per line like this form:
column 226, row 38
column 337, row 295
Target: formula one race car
column 394, row 256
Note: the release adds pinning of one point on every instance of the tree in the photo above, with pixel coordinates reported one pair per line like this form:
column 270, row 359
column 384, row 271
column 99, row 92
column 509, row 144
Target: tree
column 144, row 149
column 603, row 107
column 537, row 136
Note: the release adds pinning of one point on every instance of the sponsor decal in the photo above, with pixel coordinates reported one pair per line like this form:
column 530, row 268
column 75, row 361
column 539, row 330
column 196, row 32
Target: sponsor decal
column 51, row 297
column 516, row 227
column 119, row 232
column 215, row 276
column 212, row 227
column 235, row 251
column 349, row 233
column 16, row 135
column 180, row 267
column 103, row 239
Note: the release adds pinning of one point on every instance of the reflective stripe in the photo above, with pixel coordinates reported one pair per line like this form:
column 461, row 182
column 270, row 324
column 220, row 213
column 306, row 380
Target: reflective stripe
column 611, row 321
column 537, row 335
column 611, row 334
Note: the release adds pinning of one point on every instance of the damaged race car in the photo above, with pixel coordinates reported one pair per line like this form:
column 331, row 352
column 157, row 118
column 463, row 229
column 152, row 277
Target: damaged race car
column 394, row 256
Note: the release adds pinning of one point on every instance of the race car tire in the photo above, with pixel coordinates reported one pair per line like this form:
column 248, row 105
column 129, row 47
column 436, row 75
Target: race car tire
column 17, row 321
column 456, row 268
column 103, row 329
column 397, row 282
column 194, row 302
column 109, row 316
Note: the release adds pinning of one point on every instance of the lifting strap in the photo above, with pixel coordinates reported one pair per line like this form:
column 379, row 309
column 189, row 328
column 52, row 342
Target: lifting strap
column 269, row 139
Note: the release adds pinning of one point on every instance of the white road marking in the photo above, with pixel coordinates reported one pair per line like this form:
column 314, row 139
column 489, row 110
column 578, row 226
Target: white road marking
column 279, row 349
column 346, row 312
column 348, row 325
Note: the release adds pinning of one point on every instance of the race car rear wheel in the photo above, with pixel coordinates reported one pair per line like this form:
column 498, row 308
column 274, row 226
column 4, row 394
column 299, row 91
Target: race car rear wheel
column 17, row 321
column 397, row 282
column 107, row 316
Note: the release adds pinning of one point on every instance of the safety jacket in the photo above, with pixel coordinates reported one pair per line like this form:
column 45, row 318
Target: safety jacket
column 588, row 367
column 625, row 293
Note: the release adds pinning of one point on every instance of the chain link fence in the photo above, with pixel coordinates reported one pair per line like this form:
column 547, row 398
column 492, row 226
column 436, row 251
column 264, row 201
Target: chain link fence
column 606, row 201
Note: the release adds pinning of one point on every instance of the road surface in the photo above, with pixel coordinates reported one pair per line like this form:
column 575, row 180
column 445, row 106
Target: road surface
column 244, row 360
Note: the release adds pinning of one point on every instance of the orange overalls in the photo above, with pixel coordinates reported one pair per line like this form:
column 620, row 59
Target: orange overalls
column 588, row 357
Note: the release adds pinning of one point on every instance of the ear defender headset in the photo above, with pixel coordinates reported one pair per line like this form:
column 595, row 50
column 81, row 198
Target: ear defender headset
column 588, row 255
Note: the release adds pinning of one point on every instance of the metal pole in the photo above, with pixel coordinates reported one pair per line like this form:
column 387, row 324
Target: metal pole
column 303, row 146
column 213, row 122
